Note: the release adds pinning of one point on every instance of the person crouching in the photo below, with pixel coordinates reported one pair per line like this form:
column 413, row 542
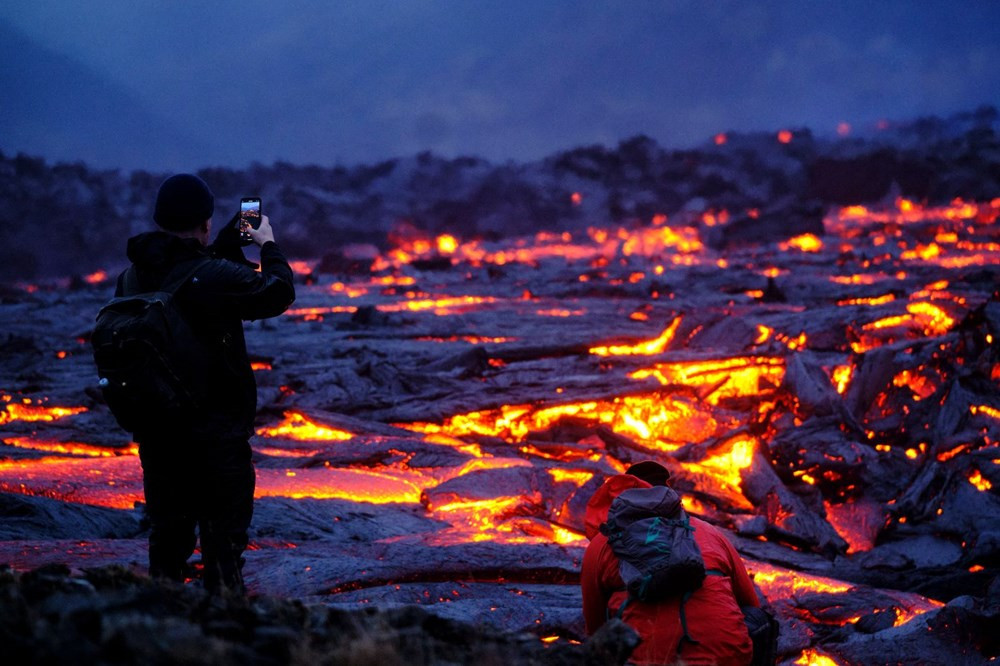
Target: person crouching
column 703, row 625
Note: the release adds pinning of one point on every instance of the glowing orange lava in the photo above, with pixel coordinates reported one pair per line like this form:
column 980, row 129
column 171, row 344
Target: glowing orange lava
column 576, row 476
column 96, row 277
column 778, row 583
column 659, row 421
column 14, row 411
column 70, row 448
column 976, row 478
column 727, row 465
column 648, row 348
column 811, row 657
column 805, row 243
column 360, row 485
column 721, row 378
column 299, row 427
column 842, row 377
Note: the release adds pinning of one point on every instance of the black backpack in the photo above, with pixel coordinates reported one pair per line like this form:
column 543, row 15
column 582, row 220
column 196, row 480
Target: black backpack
column 763, row 630
column 153, row 368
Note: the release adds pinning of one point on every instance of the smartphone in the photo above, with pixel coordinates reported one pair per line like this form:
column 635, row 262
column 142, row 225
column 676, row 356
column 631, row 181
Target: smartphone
column 249, row 216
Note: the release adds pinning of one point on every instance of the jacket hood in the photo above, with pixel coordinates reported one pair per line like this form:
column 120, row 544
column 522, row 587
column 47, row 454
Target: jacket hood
column 155, row 252
column 600, row 502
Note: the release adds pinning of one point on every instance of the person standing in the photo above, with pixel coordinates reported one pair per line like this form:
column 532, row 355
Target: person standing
column 197, row 470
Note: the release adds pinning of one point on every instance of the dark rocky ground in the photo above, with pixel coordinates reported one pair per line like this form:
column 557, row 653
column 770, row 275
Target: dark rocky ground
column 109, row 615
column 867, row 509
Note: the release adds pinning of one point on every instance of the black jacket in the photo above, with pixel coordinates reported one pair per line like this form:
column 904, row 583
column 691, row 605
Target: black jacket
column 216, row 300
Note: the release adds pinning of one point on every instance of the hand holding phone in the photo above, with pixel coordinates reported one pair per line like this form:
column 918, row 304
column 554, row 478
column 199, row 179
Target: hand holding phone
column 262, row 234
column 249, row 218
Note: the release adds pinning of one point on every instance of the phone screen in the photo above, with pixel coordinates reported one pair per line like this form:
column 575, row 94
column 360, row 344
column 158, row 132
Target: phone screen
column 249, row 215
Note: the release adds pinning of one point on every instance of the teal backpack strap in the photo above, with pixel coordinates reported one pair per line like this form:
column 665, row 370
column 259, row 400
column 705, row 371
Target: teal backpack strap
column 684, row 625
column 621, row 609
column 687, row 595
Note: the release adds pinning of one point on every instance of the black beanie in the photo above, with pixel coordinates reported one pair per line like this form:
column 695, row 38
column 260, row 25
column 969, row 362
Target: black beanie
column 183, row 203
column 650, row 471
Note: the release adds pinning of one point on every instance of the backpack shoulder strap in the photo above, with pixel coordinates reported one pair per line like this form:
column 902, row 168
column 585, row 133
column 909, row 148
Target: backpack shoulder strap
column 130, row 278
column 171, row 286
column 130, row 282
column 684, row 625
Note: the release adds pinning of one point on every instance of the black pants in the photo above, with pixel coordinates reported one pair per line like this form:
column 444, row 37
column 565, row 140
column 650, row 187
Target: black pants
column 205, row 484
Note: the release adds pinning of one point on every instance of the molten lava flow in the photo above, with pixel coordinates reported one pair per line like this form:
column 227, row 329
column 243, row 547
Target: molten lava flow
column 479, row 512
column 921, row 386
column 560, row 312
column 28, row 412
column 813, row 657
column 931, row 318
column 805, row 243
column 70, row 448
column 783, row 586
column 905, row 614
column 841, row 376
column 316, row 314
column 563, row 454
column 447, row 244
column 359, row 485
column 440, row 306
column 660, row 422
column 297, row 426
column 860, row 537
column 501, row 519
column 873, row 300
column 778, row 583
column 682, row 244
column 648, row 348
column 723, row 378
column 349, row 291
column 114, row 482
column 867, row 278
column 301, row 267
column 992, row 412
column 472, row 339
column 976, row 478
column 281, row 452
column 905, row 212
column 921, row 319
column 576, row 476
column 648, row 242
column 96, row 277
column 727, row 464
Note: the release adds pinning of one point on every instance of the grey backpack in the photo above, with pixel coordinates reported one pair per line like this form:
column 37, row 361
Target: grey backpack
column 653, row 540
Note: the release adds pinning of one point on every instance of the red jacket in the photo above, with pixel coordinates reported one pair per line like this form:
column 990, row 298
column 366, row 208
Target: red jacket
column 713, row 611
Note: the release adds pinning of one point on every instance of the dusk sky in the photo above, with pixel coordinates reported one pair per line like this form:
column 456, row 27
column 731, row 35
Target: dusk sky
column 181, row 85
